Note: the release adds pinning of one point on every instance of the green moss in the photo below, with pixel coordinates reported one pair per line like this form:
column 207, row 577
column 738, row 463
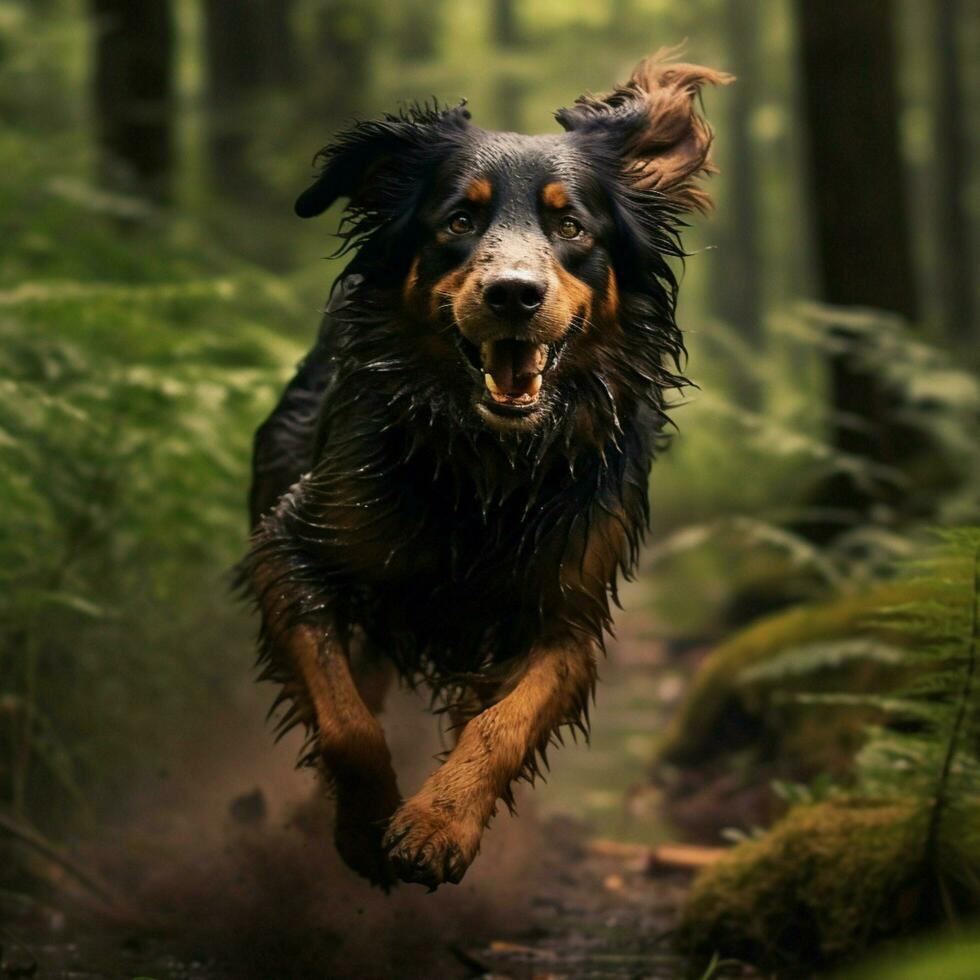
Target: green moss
column 949, row 957
column 822, row 883
column 718, row 701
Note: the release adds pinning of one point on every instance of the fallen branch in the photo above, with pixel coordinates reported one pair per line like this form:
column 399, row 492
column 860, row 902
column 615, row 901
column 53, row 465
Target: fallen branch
column 37, row 842
column 683, row 857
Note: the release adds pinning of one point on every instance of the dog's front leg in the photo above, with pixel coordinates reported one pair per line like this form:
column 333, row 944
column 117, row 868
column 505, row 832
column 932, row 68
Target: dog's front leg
column 435, row 835
column 352, row 750
column 312, row 661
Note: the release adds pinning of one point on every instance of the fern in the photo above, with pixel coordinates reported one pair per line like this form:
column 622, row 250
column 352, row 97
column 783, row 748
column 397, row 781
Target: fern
column 931, row 748
column 928, row 743
column 898, row 848
column 812, row 658
column 126, row 411
column 739, row 527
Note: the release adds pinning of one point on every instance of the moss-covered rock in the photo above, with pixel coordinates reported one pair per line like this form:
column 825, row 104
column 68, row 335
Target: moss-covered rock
column 945, row 957
column 722, row 710
column 825, row 881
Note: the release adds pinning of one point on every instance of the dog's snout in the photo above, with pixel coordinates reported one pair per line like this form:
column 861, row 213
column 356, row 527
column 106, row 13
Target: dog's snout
column 515, row 297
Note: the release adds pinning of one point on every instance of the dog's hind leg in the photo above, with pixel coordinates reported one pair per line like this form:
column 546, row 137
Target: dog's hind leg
column 435, row 835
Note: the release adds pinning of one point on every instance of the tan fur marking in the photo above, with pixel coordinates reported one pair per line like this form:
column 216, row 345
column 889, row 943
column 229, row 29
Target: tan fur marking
column 447, row 816
column 410, row 284
column 554, row 195
column 573, row 296
column 610, row 305
column 604, row 548
column 451, row 288
column 412, row 279
column 351, row 742
column 480, row 191
column 672, row 151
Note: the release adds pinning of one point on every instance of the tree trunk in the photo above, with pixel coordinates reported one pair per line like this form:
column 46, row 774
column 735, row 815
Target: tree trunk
column 956, row 276
column 742, row 304
column 855, row 171
column 249, row 49
column 277, row 40
column 133, row 88
column 503, row 23
column 509, row 94
column 344, row 43
column 417, row 36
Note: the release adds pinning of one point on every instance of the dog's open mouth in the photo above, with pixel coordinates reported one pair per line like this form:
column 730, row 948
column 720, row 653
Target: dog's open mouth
column 512, row 370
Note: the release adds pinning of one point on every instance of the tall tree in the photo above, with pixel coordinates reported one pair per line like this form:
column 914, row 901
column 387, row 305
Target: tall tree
column 862, row 250
column 509, row 94
column 345, row 38
column 417, row 33
column 742, row 303
column 234, row 75
column 956, row 267
column 277, row 42
column 132, row 93
column 249, row 49
column 503, row 23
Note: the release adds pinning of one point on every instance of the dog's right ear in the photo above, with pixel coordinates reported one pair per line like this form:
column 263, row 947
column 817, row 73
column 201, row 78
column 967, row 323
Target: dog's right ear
column 375, row 163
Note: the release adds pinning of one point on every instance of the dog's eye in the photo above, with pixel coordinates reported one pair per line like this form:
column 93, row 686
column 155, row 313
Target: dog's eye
column 569, row 228
column 460, row 223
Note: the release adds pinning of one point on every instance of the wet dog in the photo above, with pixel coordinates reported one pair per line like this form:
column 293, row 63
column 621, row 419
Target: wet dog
column 457, row 475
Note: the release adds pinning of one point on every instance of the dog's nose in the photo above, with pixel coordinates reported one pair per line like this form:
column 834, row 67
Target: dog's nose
column 514, row 297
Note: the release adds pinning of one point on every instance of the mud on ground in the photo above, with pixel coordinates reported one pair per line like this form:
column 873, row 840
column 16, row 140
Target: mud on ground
column 226, row 869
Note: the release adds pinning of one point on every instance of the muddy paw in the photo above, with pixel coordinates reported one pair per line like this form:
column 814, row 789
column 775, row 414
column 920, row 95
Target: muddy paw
column 358, row 835
column 428, row 847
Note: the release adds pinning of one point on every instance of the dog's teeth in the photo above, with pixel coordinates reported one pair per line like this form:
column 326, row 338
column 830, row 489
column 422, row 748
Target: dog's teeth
column 491, row 384
column 535, row 386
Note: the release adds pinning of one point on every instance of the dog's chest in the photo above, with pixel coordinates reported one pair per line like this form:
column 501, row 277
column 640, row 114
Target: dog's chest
column 416, row 526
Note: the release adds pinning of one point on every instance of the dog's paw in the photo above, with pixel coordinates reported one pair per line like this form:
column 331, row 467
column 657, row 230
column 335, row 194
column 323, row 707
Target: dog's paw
column 426, row 846
column 358, row 834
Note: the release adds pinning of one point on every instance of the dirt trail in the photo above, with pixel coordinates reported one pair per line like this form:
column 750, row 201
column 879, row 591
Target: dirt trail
column 263, row 895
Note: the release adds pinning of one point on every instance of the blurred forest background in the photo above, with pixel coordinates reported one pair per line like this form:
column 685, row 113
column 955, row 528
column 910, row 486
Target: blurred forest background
column 795, row 672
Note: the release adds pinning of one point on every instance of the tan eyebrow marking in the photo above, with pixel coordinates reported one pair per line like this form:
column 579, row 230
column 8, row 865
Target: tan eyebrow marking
column 554, row 195
column 480, row 191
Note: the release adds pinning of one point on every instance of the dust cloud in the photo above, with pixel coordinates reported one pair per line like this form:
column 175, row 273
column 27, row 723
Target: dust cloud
column 231, row 862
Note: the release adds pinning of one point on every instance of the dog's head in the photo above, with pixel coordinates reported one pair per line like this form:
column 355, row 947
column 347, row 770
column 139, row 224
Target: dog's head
column 529, row 269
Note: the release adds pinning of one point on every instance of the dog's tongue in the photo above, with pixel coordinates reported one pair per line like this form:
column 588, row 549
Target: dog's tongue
column 513, row 368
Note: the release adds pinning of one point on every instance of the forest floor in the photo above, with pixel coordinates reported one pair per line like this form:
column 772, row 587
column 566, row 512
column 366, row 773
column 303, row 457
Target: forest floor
column 224, row 890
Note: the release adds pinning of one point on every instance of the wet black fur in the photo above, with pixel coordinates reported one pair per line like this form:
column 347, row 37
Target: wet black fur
column 392, row 511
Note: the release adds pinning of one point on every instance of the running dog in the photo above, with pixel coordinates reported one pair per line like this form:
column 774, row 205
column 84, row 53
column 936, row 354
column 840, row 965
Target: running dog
column 457, row 475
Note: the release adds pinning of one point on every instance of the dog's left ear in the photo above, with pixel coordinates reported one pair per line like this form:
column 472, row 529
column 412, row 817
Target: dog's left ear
column 376, row 163
column 653, row 125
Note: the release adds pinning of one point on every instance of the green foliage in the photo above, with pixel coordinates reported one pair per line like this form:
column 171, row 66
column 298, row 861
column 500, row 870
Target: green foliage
column 751, row 541
column 134, row 363
column 949, row 956
column 931, row 747
column 737, row 483
column 738, row 684
column 899, row 848
column 803, row 893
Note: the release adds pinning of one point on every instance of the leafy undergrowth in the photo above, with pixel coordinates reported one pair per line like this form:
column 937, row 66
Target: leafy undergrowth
column 135, row 360
column 737, row 688
column 895, row 847
column 950, row 957
column 802, row 893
